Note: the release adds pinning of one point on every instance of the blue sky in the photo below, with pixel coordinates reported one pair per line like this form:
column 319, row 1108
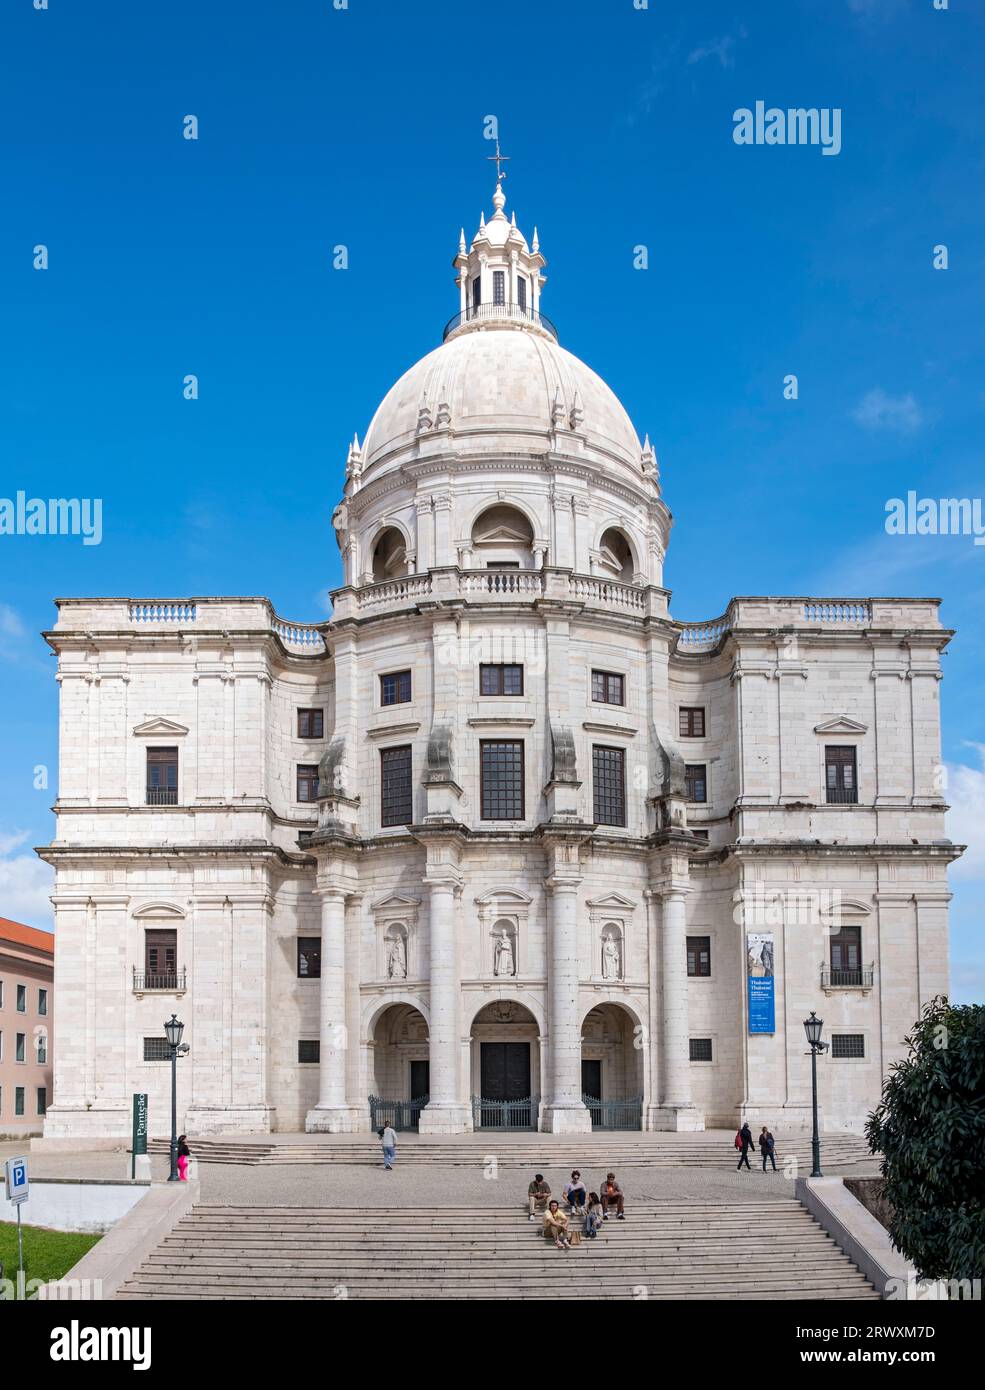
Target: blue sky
column 363, row 127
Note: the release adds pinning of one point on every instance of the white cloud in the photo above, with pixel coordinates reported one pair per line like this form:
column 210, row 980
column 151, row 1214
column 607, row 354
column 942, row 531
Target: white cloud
column 879, row 411
column 722, row 49
column 966, row 818
column 10, row 623
column 25, row 883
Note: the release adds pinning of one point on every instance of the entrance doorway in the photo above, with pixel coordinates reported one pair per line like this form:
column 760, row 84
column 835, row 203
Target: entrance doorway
column 420, row 1080
column 505, row 1067
column 505, row 1070
column 591, row 1079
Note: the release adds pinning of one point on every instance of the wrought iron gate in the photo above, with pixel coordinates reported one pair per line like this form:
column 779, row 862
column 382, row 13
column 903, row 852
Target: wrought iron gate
column 398, row 1114
column 615, row 1114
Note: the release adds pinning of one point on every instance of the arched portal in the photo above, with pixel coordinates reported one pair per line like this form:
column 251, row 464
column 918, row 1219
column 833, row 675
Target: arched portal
column 505, row 1066
column 389, row 555
column 502, row 538
column 612, row 1068
column 399, row 1069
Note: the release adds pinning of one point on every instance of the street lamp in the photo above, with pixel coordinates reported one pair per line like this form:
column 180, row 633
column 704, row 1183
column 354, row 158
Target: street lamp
column 812, row 1027
column 173, row 1030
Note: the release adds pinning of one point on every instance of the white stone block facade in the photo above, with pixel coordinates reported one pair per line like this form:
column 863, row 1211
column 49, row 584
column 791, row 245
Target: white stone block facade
column 500, row 511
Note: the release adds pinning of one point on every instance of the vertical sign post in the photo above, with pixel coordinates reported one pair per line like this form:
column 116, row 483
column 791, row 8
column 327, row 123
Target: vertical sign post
column 18, row 1187
column 139, row 1145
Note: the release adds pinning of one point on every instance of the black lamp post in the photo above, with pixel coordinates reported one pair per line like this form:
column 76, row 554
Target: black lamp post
column 173, row 1030
column 812, row 1027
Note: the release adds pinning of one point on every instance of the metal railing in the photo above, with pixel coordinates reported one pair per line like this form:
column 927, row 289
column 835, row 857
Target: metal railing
column 859, row 978
column 168, row 981
column 400, row 1115
column 841, row 796
column 615, row 1114
column 499, row 313
column 505, row 1114
column 162, row 796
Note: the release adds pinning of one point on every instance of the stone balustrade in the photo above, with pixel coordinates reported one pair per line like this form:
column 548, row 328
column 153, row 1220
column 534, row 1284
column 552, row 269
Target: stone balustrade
column 151, row 617
column 811, row 614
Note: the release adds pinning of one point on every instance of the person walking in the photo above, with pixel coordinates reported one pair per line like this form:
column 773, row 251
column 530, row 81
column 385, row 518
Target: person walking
column 538, row 1195
column 744, row 1141
column 388, row 1141
column 767, row 1147
column 184, row 1154
column 612, row 1196
column 556, row 1225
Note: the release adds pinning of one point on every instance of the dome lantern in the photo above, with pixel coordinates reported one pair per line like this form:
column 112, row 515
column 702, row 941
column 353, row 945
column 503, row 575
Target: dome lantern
column 499, row 277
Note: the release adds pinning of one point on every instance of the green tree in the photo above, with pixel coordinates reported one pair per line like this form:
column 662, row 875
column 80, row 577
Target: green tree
column 930, row 1130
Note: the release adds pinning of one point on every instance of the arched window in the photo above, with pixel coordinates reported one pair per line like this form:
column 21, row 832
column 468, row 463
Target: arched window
column 389, row 555
column 503, row 539
column 615, row 556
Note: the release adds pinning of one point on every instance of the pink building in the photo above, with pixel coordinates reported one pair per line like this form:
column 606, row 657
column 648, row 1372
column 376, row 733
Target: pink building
column 27, row 968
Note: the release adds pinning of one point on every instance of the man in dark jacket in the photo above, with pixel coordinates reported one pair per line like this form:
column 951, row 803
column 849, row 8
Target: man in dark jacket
column 746, row 1143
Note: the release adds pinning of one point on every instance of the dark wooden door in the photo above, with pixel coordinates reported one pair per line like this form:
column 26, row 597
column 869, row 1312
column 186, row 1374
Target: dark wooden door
column 420, row 1079
column 591, row 1079
column 505, row 1070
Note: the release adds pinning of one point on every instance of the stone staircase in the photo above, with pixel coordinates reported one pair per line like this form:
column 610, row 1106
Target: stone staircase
column 616, row 1150
column 750, row 1250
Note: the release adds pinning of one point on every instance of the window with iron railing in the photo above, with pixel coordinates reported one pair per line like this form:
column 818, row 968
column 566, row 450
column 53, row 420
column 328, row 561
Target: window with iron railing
column 162, row 777
column 844, row 969
column 840, row 775
column 845, row 1045
column 160, row 961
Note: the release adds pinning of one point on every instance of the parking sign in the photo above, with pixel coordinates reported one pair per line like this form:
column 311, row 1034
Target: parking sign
column 17, row 1180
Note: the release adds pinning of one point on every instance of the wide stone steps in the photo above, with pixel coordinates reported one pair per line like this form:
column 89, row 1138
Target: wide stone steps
column 840, row 1152
column 749, row 1250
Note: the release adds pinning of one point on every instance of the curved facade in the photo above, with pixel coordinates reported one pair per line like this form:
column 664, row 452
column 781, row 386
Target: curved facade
column 503, row 843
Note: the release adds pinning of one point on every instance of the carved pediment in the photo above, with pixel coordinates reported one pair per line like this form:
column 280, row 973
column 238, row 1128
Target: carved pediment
column 612, row 902
column 396, row 902
column 160, row 911
column 841, row 724
column 159, row 726
column 500, row 535
column 503, row 897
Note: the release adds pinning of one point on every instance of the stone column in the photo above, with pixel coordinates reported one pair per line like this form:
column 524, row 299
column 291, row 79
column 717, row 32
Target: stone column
column 445, row 1112
column 563, row 1111
column 676, row 1110
column 332, row 1114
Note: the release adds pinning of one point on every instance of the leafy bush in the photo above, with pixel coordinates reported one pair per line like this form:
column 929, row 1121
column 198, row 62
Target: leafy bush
column 930, row 1129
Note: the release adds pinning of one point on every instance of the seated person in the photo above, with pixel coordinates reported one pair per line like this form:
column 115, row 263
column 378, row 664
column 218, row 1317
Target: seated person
column 538, row 1195
column 593, row 1216
column 611, row 1195
column 556, row 1225
column 574, row 1192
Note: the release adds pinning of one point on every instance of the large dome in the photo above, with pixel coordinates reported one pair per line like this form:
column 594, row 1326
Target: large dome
column 502, row 379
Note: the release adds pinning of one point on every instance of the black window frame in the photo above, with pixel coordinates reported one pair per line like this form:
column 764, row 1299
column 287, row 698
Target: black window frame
column 695, row 951
column 608, row 787
column 157, row 1049
column 162, row 775
column 848, row 1043
column 701, row 1049
column 310, row 948
column 696, row 778
column 602, row 681
column 402, row 690
column 499, row 287
column 20, row 1047
column 306, row 776
column 397, row 801
column 42, row 1003
column 494, row 673
column 20, row 1005
column 42, row 1100
column 19, row 1100
column 315, row 719
column 313, row 1048
column 688, row 718
column 840, row 774
column 492, row 795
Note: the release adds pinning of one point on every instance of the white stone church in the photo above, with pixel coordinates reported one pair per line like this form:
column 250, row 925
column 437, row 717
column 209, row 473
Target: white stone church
column 503, row 844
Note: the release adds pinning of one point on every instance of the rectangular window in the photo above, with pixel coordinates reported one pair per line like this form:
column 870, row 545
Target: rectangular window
column 609, row 785
column 311, row 723
column 499, row 286
column 846, row 956
column 42, row 1100
column 22, row 999
column 43, row 1002
column 396, row 786
column 20, row 1041
column 1, row 994
column 848, row 1045
column 696, row 781
column 395, row 688
column 18, row 1100
column 699, row 955
column 309, row 1050
column 692, row 721
column 501, row 778
column 699, row 1049
column 42, row 1051
column 309, row 957
column 608, row 688
column 161, row 958
column 156, row 1050
column 500, row 680
column 700, row 834
column 521, row 292
column 476, row 292
column 839, row 774
column 162, row 777
column 307, row 781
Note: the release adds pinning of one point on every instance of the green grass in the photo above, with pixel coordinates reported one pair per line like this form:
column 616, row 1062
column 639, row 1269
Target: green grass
column 47, row 1254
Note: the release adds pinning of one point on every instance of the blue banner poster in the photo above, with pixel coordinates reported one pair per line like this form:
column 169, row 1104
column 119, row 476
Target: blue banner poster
column 759, row 975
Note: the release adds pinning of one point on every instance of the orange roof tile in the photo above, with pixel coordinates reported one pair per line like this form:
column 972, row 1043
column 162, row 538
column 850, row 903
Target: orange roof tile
column 27, row 936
